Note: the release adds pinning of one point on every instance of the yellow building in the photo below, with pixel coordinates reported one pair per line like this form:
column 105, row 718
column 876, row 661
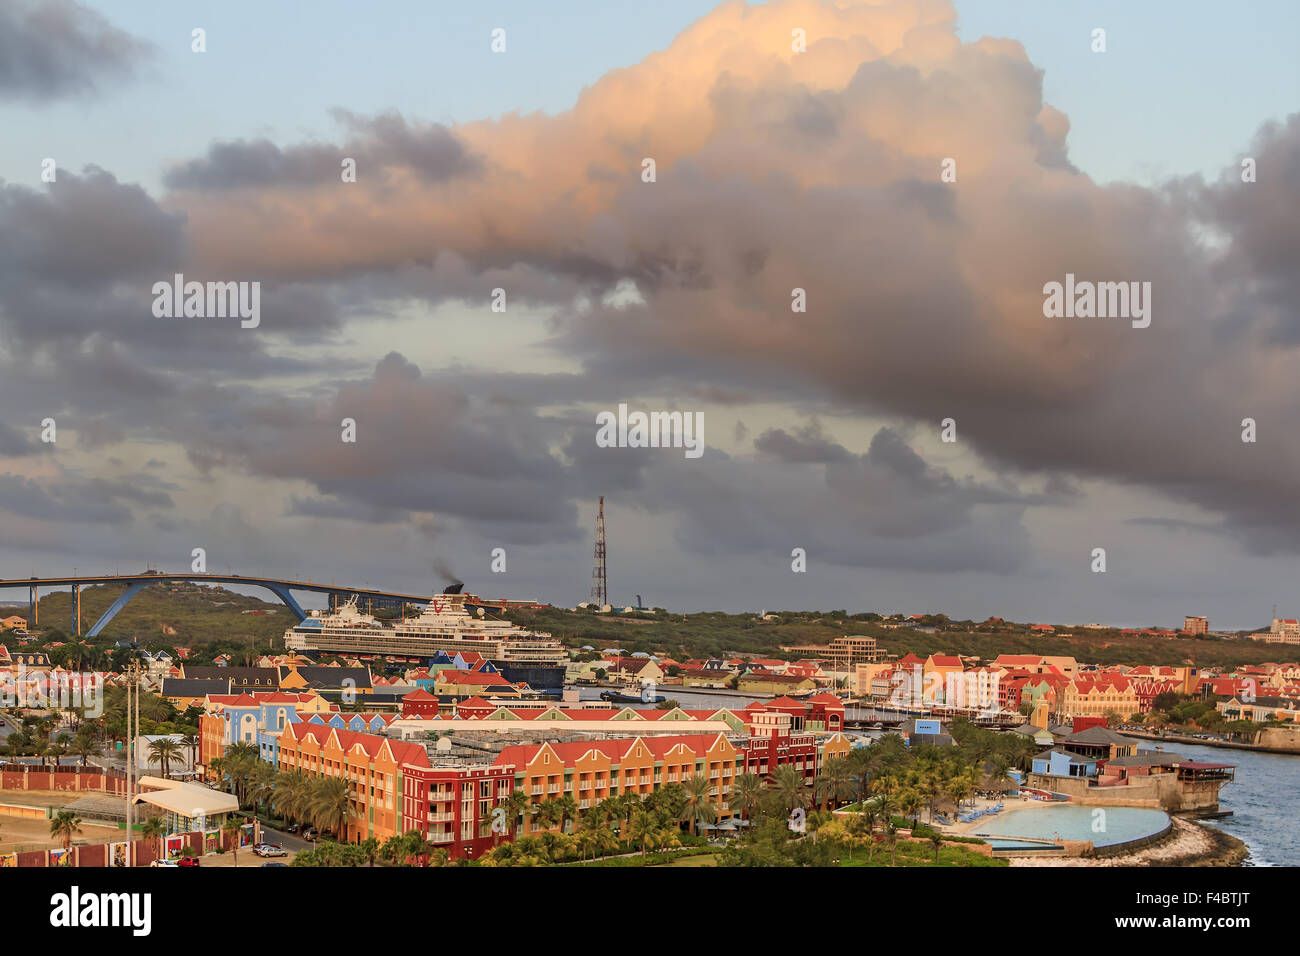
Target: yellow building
column 767, row 683
column 1097, row 698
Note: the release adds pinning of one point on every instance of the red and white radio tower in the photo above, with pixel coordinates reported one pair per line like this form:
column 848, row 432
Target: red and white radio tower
column 599, row 581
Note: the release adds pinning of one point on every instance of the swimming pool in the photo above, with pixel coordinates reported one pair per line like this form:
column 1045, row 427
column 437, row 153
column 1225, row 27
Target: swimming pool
column 1104, row 826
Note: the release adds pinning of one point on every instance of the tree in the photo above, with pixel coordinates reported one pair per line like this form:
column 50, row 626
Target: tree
column 747, row 793
column 835, row 783
column 370, row 848
column 231, row 827
column 566, row 808
column 155, row 828
column 190, row 740
column 911, row 802
column 85, row 742
column 516, row 805
column 790, row 788
column 698, row 806
column 936, row 841
column 64, row 826
column 329, row 805
column 291, row 794
column 868, row 819
column 644, row 828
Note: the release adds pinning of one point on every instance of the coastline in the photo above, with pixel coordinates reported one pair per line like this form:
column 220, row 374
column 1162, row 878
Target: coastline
column 1188, row 844
column 1220, row 744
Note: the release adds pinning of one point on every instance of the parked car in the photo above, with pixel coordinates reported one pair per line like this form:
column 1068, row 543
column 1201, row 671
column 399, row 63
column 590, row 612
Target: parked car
column 188, row 861
column 309, row 833
column 270, row 849
column 292, row 828
column 274, row 863
column 164, row 863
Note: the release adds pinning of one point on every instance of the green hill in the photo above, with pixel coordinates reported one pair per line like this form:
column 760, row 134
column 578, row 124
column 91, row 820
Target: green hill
column 715, row 634
column 170, row 614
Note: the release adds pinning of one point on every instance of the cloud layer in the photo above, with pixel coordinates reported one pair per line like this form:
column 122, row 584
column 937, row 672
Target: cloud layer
column 775, row 170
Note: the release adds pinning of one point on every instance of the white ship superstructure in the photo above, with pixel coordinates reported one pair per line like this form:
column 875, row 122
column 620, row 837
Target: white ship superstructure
column 445, row 624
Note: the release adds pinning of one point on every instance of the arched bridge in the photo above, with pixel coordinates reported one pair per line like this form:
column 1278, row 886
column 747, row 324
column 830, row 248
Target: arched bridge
column 367, row 598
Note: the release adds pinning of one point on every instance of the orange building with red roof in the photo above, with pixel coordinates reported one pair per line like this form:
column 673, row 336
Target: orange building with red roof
column 371, row 765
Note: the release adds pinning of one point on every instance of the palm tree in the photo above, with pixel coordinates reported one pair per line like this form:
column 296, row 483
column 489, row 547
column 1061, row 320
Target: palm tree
column 960, row 787
column 643, row 827
column 835, row 783
column 565, row 808
column 603, row 840
column 911, row 803
column 516, row 804
column 790, row 788
column 64, row 826
column 586, row 842
column 370, row 848
column 238, row 763
column 191, row 740
column 869, row 817
column 261, row 783
column 394, row 850
column 329, row 805
column 886, row 804
column 163, row 751
column 231, row 826
column 290, row 794
column 668, row 837
column 543, row 815
column 155, row 828
column 747, row 793
column 85, row 743
column 699, row 806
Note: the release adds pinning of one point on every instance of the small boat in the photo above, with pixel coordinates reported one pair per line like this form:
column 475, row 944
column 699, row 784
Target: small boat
column 617, row 697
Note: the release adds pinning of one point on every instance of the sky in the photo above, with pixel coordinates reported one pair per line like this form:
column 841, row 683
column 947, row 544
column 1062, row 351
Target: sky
column 522, row 170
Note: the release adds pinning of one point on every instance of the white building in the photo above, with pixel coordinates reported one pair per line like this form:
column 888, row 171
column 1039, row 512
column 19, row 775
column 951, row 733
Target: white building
column 1285, row 630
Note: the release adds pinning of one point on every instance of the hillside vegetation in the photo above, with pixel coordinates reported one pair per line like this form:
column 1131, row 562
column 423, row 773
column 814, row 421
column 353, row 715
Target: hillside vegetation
column 167, row 614
column 211, row 619
column 715, row 634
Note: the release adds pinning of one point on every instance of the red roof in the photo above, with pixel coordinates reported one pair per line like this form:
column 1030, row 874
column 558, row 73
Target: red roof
column 522, row 754
column 781, row 703
column 471, row 678
column 371, row 744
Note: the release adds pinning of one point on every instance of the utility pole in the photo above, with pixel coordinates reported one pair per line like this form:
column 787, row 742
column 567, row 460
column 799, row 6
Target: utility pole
column 132, row 723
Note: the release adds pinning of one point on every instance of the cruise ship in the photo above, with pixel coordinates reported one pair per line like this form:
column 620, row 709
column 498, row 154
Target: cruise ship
column 445, row 624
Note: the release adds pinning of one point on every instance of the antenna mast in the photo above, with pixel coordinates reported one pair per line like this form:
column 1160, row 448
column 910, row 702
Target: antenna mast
column 599, row 579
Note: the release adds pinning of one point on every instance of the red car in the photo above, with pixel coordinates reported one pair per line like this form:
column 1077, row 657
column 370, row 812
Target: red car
column 188, row 861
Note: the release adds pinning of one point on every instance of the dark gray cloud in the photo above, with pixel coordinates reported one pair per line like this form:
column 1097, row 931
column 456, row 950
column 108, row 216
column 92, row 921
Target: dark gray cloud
column 924, row 302
column 381, row 143
column 56, row 48
column 14, row 442
column 73, row 499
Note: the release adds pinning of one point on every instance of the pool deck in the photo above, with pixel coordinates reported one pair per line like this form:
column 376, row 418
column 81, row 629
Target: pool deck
column 1189, row 844
column 1054, row 848
column 1008, row 804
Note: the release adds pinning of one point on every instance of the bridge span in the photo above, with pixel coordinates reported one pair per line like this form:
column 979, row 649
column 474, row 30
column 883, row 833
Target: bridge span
column 282, row 588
